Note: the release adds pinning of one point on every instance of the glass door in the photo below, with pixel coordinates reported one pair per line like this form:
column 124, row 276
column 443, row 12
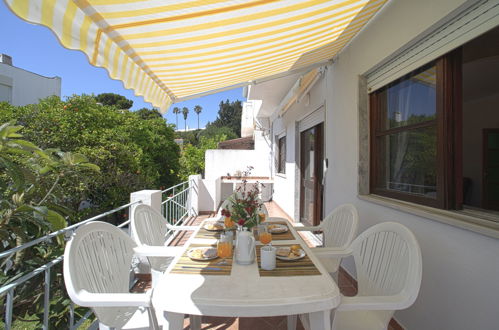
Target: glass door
column 311, row 155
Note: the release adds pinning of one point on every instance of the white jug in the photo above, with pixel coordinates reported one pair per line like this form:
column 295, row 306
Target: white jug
column 245, row 247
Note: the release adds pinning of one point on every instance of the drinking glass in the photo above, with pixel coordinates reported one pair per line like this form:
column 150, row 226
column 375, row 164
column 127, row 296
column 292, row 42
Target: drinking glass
column 262, row 217
column 264, row 234
column 228, row 222
column 224, row 249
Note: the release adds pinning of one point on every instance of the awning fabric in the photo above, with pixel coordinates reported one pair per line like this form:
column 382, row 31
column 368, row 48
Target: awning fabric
column 171, row 50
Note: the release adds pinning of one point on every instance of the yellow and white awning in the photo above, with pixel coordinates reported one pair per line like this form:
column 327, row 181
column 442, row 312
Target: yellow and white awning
column 171, row 50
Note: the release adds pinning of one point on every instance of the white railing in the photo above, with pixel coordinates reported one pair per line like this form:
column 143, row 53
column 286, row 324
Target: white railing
column 8, row 290
column 175, row 206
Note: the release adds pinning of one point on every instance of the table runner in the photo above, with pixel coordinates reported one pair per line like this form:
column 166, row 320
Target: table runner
column 186, row 265
column 302, row 267
column 207, row 234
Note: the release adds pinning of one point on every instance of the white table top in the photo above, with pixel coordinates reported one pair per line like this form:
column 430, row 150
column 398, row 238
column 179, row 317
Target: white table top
column 244, row 293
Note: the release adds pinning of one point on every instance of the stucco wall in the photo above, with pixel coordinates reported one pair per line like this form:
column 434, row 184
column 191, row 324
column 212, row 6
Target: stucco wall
column 460, row 267
column 28, row 87
column 287, row 187
column 219, row 162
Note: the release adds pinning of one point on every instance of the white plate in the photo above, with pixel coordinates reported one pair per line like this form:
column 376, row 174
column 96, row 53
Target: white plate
column 207, row 224
column 278, row 229
column 212, row 253
column 302, row 255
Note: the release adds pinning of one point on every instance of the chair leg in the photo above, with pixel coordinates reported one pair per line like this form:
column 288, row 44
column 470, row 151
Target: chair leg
column 320, row 320
column 292, row 322
column 102, row 326
column 153, row 321
column 195, row 321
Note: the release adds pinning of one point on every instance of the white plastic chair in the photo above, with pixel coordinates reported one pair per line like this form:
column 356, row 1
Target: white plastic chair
column 339, row 229
column 149, row 229
column 389, row 269
column 97, row 263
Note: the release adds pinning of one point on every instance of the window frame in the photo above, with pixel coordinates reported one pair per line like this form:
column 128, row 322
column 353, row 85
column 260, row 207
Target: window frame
column 448, row 124
column 281, row 155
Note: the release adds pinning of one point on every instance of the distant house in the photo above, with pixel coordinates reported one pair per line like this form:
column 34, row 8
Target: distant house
column 20, row 87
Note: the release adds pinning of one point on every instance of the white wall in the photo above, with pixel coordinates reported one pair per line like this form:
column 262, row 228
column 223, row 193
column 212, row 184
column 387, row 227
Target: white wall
column 287, row 187
column 460, row 268
column 219, row 162
column 28, row 87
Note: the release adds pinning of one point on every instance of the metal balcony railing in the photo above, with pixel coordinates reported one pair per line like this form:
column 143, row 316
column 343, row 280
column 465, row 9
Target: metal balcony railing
column 175, row 208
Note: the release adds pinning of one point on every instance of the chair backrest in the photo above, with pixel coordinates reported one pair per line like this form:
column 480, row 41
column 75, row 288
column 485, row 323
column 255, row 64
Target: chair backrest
column 340, row 226
column 225, row 205
column 98, row 259
column 263, row 209
column 148, row 226
column 388, row 261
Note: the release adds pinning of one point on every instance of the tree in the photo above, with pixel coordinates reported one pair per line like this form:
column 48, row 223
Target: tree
column 145, row 113
column 212, row 131
column 197, row 110
column 132, row 153
column 192, row 158
column 111, row 99
column 229, row 114
column 176, row 111
column 185, row 112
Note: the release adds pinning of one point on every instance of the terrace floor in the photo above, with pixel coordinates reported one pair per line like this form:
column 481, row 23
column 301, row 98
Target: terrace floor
column 346, row 283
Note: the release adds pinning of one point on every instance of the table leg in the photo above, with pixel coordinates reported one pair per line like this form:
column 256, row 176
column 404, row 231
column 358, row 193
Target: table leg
column 173, row 321
column 292, row 322
column 195, row 321
column 320, row 320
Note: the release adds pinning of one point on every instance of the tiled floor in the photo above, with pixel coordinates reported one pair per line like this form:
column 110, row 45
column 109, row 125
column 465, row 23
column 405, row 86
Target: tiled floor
column 347, row 285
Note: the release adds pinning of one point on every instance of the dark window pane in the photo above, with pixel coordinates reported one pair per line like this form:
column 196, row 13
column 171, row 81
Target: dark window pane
column 408, row 162
column 281, row 166
column 409, row 101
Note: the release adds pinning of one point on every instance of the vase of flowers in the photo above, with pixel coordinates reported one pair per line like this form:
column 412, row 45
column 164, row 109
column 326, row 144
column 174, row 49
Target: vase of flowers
column 245, row 204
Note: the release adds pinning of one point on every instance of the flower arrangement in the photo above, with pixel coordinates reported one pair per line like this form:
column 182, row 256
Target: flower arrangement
column 245, row 204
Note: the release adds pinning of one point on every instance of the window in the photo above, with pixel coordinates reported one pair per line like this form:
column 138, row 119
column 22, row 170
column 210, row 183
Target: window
column 405, row 139
column 281, row 156
column 435, row 132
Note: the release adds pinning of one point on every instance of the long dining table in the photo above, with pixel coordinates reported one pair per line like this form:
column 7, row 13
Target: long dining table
column 245, row 290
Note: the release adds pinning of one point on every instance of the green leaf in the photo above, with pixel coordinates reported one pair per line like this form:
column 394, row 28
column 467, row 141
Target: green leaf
column 56, row 220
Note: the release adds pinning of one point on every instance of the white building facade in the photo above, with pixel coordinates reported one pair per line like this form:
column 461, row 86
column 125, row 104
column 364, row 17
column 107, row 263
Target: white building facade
column 20, row 87
column 460, row 247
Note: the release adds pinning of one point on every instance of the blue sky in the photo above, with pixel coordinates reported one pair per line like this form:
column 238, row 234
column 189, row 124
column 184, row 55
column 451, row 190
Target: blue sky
column 35, row 48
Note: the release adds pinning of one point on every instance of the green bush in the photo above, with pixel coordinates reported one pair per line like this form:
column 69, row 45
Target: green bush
column 132, row 153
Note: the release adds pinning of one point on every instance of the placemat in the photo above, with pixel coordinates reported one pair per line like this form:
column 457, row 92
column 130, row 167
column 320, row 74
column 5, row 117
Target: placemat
column 287, row 236
column 186, row 265
column 302, row 267
column 207, row 234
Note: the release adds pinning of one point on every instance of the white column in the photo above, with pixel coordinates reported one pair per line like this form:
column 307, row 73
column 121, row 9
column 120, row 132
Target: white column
column 193, row 201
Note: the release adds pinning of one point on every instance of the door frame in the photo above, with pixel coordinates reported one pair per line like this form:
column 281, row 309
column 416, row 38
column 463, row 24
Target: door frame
column 318, row 171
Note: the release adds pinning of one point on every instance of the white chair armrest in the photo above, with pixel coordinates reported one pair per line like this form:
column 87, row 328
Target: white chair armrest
column 88, row 299
column 191, row 228
column 332, row 252
column 314, row 228
column 157, row 251
column 371, row 303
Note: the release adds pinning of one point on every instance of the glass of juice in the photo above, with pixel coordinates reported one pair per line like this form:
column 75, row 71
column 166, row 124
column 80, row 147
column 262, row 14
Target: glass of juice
column 264, row 235
column 224, row 249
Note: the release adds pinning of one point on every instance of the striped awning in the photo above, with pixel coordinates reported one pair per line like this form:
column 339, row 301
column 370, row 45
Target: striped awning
column 168, row 51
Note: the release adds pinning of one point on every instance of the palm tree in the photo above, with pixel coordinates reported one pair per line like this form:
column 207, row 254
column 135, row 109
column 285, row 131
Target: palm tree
column 185, row 112
column 176, row 111
column 197, row 110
